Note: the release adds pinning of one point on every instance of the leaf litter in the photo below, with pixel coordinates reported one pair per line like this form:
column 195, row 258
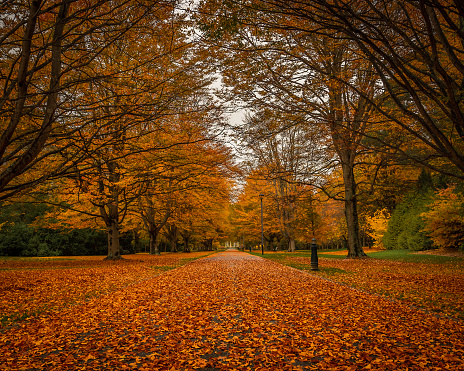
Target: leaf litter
column 235, row 311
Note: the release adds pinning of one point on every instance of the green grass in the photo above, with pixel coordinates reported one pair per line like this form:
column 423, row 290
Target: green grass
column 17, row 317
column 410, row 256
column 332, row 271
column 396, row 255
column 303, row 254
column 281, row 258
column 277, row 256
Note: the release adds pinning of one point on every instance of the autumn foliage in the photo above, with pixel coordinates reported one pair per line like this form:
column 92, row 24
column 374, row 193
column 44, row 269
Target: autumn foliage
column 431, row 286
column 444, row 222
column 114, row 117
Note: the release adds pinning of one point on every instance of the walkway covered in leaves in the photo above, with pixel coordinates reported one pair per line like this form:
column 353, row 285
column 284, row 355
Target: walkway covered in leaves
column 235, row 311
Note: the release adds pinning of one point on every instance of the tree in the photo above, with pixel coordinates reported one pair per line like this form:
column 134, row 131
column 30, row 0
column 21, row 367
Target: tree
column 378, row 226
column 283, row 152
column 155, row 214
column 245, row 218
column 153, row 82
column 406, row 225
column 309, row 223
column 49, row 54
column 415, row 49
column 171, row 233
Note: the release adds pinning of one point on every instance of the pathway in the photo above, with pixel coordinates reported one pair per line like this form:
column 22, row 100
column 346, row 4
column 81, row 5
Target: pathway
column 236, row 311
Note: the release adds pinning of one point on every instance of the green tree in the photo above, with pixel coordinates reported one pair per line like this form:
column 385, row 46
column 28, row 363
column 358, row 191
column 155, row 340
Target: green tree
column 406, row 226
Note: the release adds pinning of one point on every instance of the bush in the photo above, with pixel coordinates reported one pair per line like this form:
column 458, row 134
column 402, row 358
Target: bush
column 18, row 236
column 85, row 242
column 36, row 247
column 20, row 239
column 14, row 239
column 444, row 222
column 406, row 226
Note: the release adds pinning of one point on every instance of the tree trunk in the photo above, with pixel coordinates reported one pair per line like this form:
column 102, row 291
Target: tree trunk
column 148, row 216
column 171, row 233
column 355, row 249
column 154, row 245
column 291, row 245
column 208, row 244
column 186, row 238
column 112, row 216
column 136, row 235
column 114, row 251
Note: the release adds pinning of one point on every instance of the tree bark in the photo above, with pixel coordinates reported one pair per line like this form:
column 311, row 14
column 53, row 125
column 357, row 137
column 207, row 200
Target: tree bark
column 351, row 213
column 171, row 233
column 208, row 244
column 154, row 243
column 291, row 245
column 186, row 239
column 111, row 216
column 114, row 252
column 136, row 235
column 173, row 246
column 153, row 228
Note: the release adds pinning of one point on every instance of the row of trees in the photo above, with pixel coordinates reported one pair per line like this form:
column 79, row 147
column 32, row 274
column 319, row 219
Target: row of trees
column 20, row 235
column 427, row 212
column 343, row 95
column 107, row 114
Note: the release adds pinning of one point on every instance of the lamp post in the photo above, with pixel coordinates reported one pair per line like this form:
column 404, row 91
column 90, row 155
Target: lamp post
column 262, row 229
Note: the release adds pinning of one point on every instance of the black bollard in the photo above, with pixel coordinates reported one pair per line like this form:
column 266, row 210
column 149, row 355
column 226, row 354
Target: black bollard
column 314, row 260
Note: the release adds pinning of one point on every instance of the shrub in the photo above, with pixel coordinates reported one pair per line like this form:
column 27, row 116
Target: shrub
column 14, row 238
column 444, row 222
column 406, row 226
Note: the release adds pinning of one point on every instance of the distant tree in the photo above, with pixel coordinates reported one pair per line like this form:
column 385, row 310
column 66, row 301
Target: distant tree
column 246, row 215
column 286, row 68
column 378, row 224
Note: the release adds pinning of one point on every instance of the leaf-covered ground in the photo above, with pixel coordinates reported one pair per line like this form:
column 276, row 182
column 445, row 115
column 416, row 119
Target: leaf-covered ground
column 33, row 286
column 437, row 287
column 235, row 311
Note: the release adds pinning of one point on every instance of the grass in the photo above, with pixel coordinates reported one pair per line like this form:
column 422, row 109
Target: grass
column 412, row 257
column 395, row 255
column 9, row 319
